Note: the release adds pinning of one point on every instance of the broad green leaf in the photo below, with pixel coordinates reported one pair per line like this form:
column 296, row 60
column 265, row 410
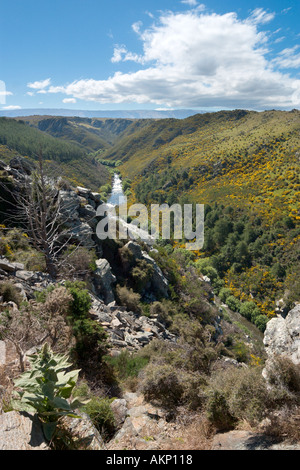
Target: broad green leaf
column 49, row 430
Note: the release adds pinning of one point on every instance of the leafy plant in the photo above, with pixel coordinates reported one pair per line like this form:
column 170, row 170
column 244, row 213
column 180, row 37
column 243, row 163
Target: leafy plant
column 46, row 389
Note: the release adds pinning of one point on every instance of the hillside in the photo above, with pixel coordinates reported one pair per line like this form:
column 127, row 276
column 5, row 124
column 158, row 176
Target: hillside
column 244, row 166
column 93, row 135
column 68, row 159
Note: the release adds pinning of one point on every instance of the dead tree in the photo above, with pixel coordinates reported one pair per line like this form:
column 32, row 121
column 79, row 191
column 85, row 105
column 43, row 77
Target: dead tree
column 37, row 208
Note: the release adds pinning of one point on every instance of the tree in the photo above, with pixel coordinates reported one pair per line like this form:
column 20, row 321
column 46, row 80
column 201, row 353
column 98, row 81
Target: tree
column 37, row 207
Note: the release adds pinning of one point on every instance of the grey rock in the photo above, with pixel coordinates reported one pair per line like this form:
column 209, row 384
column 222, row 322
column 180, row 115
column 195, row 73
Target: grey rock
column 120, row 411
column 22, row 165
column 104, row 279
column 25, row 275
column 135, row 249
column 246, row 440
column 159, row 282
column 85, row 192
column 282, row 336
column 85, row 432
column 21, row 432
column 82, row 233
column 6, row 265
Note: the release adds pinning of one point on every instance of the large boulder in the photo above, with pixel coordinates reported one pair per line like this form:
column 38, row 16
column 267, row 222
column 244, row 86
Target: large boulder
column 282, row 336
column 104, row 280
column 21, row 432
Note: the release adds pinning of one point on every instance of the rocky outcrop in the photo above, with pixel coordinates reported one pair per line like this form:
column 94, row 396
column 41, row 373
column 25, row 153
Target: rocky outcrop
column 246, row 440
column 104, row 280
column 128, row 330
column 159, row 283
column 282, row 336
column 84, row 432
column 21, row 432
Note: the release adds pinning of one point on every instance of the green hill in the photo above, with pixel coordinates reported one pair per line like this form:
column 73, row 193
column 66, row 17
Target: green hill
column 244, row 166
column 64, row 158
column 94, row 135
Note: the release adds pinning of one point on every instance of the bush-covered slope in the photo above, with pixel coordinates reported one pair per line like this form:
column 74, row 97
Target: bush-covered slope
column 95, row 135
column 245, row 167
column 65, row 158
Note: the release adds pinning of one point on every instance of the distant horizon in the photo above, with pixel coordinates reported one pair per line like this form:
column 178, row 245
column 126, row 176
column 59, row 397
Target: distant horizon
column 179, row 113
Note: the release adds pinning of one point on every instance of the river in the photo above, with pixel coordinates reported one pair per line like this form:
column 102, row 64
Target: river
column 118, row 198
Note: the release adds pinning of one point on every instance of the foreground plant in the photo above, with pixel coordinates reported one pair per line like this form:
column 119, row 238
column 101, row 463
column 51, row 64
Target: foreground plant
column 46, row 389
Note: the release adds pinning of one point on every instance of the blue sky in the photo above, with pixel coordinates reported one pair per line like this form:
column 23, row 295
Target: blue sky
column 136, row 54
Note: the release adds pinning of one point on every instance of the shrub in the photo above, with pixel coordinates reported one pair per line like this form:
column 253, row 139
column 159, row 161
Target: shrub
column 233, row 303
column 127, row 365
column 128, row 298
column 78, row 262
column 224, row 293
column 284, row 375
column 249, row 310
column 162, row 384
column 102, row 416
column 90, row 336
column 141, row 274
column 10, row 293
column 171, row 387
column 236, row 395
column 261, row 322
column 218, row 412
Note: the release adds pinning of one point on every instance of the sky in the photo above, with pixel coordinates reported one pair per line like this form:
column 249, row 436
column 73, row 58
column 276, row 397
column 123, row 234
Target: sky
column 158, row 54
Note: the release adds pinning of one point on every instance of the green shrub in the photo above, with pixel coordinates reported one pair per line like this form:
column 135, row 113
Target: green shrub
column 170, row 386
column 100, row 412
column 249, row 310
column 218, row 412
column 129, row 299
column 237, row 394
column 261, row 322
column 224, row 293
column 127, row 365
column 10, row 293
column 142, row 274
column 233, row 303
column 285, row 375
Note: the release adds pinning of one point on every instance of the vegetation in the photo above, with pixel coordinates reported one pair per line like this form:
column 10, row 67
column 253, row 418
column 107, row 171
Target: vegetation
column 46, row 388
column 243, row 166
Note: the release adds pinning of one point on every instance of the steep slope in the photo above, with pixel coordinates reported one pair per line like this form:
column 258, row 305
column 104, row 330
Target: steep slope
column 64, row 158
column 91, row 134
column 244, row 166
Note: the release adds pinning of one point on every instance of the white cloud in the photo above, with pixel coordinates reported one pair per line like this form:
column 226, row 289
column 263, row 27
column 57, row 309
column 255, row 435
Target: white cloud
column 288, row 58
column 260, row 16
column 40, row 85
column 11, row 108
column 69, row 100
column 30, row 93
column 121, row 54
column 191, row 3
column 194, row 59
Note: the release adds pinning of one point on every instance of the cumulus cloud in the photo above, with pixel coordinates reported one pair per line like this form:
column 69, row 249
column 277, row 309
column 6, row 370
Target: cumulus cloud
column 196, row 59
column 40, row 85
